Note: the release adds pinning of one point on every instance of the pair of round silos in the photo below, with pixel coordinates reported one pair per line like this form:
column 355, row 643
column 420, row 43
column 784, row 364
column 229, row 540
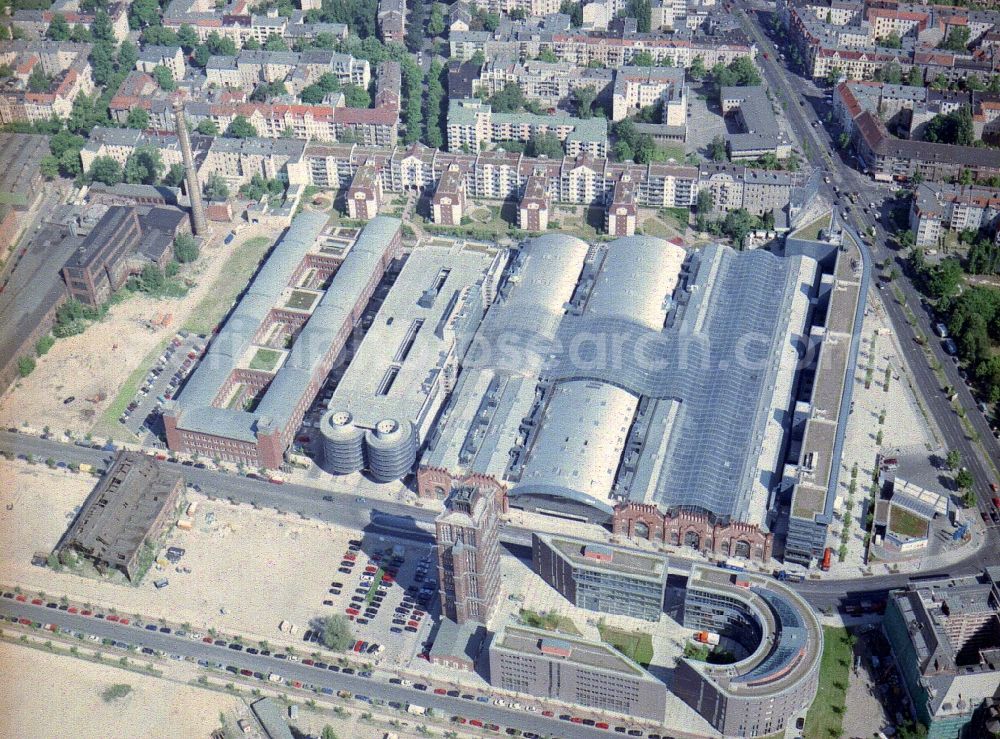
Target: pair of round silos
column 388, row 451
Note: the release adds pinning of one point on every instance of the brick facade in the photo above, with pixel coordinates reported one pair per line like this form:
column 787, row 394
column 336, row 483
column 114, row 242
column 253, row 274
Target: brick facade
column 717, row 540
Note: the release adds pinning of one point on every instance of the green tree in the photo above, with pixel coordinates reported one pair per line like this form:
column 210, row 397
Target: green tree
column 216, row 188
column 834, row 75
column 642, row 59
column 137, row 118
column 144, row 166
column 240, row 128
column 434, row 114
column 915, row 77
column 957, row 39
column 963, row 479
column 142, row 13
column 717, row 149
column 185, row 249
column 436, row 22
column 79, row 34
column 953, row 459
column 174, row 176
column 356, row 96
column 584, row 98
column 574, row 9
column 164, row 78
column 328, row 733
column 128, row 55
column 275, row 43
column 25, row 365
column 58, row 28
column 892, row 41
column 335, row 632
column 207, row 127
column 38, row 81
column 974, row 84
column 49, row 167
column 509, row 100
column 705, row 201
column 187, row 37
column 159, row 36
column 105, row 169
column 697, row 69
column 546, row 145
column 642, row 11
column 101, row 28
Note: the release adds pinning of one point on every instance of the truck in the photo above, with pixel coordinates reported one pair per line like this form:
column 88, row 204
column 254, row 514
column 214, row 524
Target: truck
column 707, row 637
column 827, row 556
column 415, row 709
column 733, row 564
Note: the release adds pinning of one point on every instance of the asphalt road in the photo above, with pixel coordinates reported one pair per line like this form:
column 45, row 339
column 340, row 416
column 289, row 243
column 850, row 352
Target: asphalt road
column 408, row 522
column 377, row 686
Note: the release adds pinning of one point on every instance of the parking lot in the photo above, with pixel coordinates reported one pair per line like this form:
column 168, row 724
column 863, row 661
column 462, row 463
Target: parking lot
column 387, row 591
column 142, row 415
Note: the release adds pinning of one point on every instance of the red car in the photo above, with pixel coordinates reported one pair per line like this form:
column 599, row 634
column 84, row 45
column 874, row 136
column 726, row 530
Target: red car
column 414, row 624
column 308, row 662
column 246, row 673
column 207, row 640
column 36, row 601
column 25, row 622
column 296, row 684
column 548, row 714
column 351, row 556
column 112, row 617
column 996, row 501
column 123, row 621
column 86, row 613
column 371, row 569
column 476, row 722
column 440, row 691
column 357, row 645
column 352, row 611
column 21, row 599
column 72, row 609
column 602, row 725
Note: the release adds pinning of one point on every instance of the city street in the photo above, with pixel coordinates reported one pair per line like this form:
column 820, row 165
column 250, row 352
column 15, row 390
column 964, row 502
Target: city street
column 416, row 524
column 795, row 91
column 336, row 681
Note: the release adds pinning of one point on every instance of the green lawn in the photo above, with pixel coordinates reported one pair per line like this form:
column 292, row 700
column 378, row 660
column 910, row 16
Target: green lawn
column 635, row 645
column 265, row 359
column 903, row 522
column 551, row 621
column 672, row 151
column 234, row 276
column 826, row 717
column 811, row 230
column 107, row 424
column 300, row 300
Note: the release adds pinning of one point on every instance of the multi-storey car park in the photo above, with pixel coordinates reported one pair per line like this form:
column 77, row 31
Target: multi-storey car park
column 247, row 397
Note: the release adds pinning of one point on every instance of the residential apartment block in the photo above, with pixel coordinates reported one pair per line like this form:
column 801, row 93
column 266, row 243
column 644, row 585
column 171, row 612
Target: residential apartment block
column 298, row 70
column 938, row 208
column 67, row 66
column 472, row 125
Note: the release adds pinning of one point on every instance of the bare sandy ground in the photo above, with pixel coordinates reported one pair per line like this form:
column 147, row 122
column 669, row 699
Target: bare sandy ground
column 61, row 696
column 249, row 569
column 99, row 360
